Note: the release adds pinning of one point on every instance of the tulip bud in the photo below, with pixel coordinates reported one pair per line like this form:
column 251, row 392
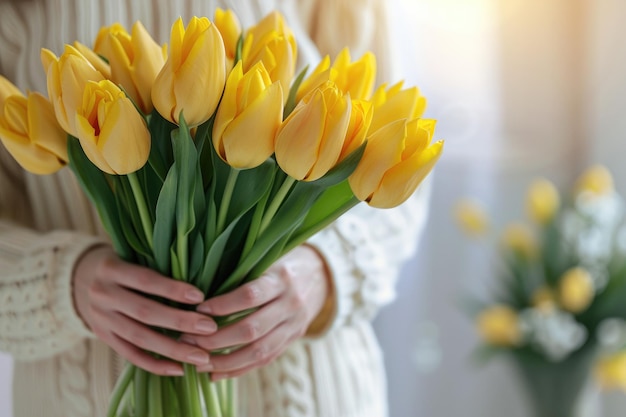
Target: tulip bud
column 30, row 132
column 396, row 160
column 194, row 75
column 542, row 201
column 248, row 117
column 395, row 103
column 518, row 238
column 499, row 325
column 272, row 42
column 356, row 78
column 596, row 181
column 471, row 217
column 360, row 120
column 112, row 133
column 310, row 140
column 135, row 60
column 67, row 77
column 576, row 290
column 227, row 23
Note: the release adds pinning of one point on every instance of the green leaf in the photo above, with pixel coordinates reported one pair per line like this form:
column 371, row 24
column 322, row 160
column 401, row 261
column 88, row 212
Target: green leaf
column 293, row 92
column 252, row 184
column 95, row 184
column 197, row 257
column 161, row 157
column 131, row 234
column 342, row 170
column 163, row 234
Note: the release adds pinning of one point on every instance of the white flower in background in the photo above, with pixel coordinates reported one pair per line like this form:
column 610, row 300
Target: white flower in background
column 553, row 332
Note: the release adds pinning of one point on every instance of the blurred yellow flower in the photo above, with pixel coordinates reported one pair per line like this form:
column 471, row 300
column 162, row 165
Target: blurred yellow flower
column 471, row 217
column 111, row 131
column 499, row 325
column 576, row 290
column 396, row 160
column 194, row 75
column 395, row 103
column 67, row 77
column 272, row 42
column 135, row 60
column 544, row 299
column 228, row 24
column 596, row 181
column 610, row 371
column 248, row 117
column 542, row 201
column 30, row 132
column 518, row 238
column 310, row 140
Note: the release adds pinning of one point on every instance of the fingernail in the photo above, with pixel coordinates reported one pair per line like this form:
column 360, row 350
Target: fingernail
column 206, row 326
column 194, row 296
column 199, row 358
column 175, row 372
column 205, row 309
column 189, row 340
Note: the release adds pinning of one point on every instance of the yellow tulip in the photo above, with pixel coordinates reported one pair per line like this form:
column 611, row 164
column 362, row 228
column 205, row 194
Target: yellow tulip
column 310, row 140
column 596, row 181
column 30, row 132
column 67, row 77
column 7, row 89
column 356, row 78
column 248, row 117
column 227, row 23
column 576, row 290
column 272, row 42
column 360, row 120
column 94, row 59
column 135, row 60
column 111, row 131
column 542, row 201
column 471, row 217
column 518, row 238
column 194, row 75
column 499, row 325
column 396, row 103
column 396, row 160
column 610, row 371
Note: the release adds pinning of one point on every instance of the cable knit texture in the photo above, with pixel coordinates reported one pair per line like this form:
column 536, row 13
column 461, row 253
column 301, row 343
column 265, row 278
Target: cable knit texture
column 46, row 223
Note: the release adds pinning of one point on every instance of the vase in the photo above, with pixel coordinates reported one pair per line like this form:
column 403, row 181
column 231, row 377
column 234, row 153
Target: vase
column 556, row 389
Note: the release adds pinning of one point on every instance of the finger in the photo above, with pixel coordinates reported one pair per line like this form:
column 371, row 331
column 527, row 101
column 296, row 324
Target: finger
column 149, row 282
column 245, row 331
column 253, row 294
column 258, row 354
column 142, row 337
column 143, row 359
column 153, row 313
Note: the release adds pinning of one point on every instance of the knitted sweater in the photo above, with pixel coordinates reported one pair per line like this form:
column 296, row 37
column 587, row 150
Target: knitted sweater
column 46, row 223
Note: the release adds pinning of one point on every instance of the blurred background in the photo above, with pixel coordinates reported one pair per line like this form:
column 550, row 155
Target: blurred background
column 521, row 88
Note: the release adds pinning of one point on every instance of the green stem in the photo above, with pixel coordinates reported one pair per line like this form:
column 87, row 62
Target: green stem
column 120, row 388
column 231, row 396
column 142, row 207
column 255, row 225
column 227, row 196
column 276, row 202
column 141, row 393
column 194, row 406
column 182, row 251
column 155, row 399
column 211, row 396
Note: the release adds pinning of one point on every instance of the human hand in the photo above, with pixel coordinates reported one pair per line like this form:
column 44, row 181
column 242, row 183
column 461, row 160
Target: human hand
column 105, row 291
column 289, row 296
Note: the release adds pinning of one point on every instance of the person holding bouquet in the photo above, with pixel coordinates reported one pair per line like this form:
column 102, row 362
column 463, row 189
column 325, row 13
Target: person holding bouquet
column 71, row 311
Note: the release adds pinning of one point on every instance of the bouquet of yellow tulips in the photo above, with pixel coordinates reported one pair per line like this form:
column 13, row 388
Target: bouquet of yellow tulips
column 560, row 300
column 209, row 161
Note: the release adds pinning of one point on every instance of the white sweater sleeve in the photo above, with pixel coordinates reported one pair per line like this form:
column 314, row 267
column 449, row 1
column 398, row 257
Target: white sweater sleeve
column 37, row 315
column 365, row 249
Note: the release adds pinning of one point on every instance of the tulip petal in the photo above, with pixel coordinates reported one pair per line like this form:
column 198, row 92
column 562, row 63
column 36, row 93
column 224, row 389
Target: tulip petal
column 7, row 89
column 402, row 180
column 43, row 127
column 30, row 156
